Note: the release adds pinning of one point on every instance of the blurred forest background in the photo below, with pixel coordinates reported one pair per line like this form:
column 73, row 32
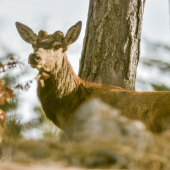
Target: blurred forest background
column 25, row 116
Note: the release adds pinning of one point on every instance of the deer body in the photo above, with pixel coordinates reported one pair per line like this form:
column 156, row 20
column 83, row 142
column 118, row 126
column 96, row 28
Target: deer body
column 61, row 92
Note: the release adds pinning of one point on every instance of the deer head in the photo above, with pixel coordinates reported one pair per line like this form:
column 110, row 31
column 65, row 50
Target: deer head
column 48, row 49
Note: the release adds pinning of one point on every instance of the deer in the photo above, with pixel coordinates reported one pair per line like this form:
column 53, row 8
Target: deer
column 61, row 91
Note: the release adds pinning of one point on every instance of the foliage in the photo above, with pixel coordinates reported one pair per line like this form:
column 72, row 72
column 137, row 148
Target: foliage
column 13, row 128
column 155, row 59
column 6, row 93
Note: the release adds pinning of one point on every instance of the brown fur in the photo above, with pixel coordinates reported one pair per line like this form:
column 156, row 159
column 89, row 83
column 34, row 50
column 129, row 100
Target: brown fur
column 61, row 92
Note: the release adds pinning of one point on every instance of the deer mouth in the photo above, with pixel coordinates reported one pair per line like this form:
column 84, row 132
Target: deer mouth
column 33, row 65
column 36, row 66
column 41, row 69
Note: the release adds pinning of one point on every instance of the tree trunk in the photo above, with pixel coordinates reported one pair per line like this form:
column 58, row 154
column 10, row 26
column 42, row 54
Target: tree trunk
column 112, row 42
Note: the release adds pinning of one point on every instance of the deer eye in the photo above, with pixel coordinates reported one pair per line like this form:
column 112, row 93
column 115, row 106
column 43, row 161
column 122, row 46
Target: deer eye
column 57, row 47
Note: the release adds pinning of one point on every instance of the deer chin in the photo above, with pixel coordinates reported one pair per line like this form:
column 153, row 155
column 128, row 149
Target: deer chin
column 41, row 68
column 38, row 67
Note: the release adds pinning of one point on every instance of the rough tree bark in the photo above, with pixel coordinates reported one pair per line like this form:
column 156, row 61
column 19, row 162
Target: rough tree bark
column 112, row 42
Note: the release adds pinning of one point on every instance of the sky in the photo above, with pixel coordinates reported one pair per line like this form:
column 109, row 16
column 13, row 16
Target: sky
column 156, row 20
column 56, row 15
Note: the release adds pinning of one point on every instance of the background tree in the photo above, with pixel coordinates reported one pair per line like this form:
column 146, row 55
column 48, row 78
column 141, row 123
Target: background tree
column 112, row 42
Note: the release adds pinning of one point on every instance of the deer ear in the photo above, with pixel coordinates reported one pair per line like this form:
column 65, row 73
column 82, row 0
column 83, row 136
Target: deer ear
column 26, row 33
column 73, row 33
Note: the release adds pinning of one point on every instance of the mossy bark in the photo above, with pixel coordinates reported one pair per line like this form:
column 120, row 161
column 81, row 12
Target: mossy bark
column 112, row 42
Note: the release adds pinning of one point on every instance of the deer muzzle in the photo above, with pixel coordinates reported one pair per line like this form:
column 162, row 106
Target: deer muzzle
column 33, row 59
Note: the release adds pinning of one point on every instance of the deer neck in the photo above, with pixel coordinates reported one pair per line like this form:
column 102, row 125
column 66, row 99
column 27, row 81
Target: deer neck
column 63, row 80
column 66, row 80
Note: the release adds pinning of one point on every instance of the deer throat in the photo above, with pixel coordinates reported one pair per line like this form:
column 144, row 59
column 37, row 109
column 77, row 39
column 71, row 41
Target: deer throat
column 59, row 97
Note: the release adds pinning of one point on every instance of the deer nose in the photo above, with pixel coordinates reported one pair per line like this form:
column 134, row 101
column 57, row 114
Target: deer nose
column 33, row 58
